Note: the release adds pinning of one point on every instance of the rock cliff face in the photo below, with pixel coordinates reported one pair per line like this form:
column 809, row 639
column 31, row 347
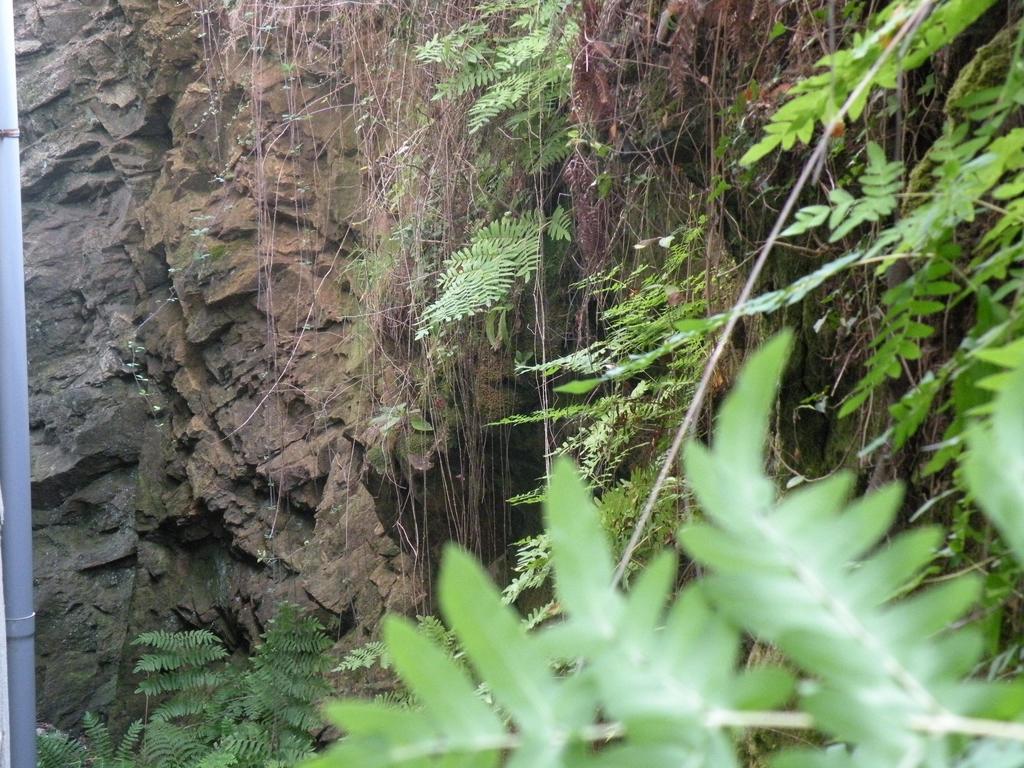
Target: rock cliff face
column 196, row 349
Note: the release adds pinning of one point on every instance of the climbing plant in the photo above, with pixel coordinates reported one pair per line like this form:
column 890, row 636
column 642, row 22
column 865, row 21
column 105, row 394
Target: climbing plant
column 651, row 677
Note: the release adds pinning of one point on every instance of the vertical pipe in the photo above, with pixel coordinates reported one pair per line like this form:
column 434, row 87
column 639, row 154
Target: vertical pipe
column 5, row 710
column 15, row 482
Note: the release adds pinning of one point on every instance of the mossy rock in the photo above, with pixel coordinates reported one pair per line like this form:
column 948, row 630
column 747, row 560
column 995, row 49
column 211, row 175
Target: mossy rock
column 415, row 443
column 377, row 458
column 987, row 69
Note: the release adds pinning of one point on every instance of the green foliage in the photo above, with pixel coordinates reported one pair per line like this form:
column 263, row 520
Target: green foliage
column 365, row 657
column 522, row 72
column 649, row 679
column 994, row 465
column 532, row 567
column 973, row 173
column 55, row 749
column 515, row 60
column 256, row 715
column 376, row 654
column 879, row 183
column 209, row 713
column 817, row 99
column 285, row 678
column 873, row 674
column 906, row 305
column 480, row 275
column 685, row 333
column 643, row 306
column 179, row 663
column 102, row 752
column 972, row 160
column 947, row 238
column 621, row 504
column 609, row 435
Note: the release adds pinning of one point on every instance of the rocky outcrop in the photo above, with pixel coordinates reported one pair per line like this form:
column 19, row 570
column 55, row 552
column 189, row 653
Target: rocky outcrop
column 197, row 357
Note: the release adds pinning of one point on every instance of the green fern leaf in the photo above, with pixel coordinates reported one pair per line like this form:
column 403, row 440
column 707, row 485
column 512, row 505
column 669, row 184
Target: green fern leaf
column 787, row 571
column 994, row 466
column 482, row 274
column 58, row 750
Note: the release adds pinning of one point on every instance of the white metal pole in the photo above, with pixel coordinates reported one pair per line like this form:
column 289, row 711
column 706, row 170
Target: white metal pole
column 15, row 470
column 5, row 710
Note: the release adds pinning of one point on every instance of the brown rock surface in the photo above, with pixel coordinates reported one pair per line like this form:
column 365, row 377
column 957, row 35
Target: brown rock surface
column 195, row 364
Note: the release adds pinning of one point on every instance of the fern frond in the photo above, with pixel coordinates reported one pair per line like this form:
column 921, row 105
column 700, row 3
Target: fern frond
column 171, row 746
column 468, row 80
column 482, row 274
column 551, row 414
column 665, row 690
column 458, row 47
column 173, row 650
column 555, row 148
column 660, row 687
column 501, row 96
column 363, row 657
column 181, row 680
column 182, row 706
column 58, row 750
column 532, row 568
column 247, row 744
column 126, row 748
column 559, row 226
column 218, row 759
column 101, row 745
column 813, row 100
column 903, row 327
column 798, row 574
column 993, row 467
